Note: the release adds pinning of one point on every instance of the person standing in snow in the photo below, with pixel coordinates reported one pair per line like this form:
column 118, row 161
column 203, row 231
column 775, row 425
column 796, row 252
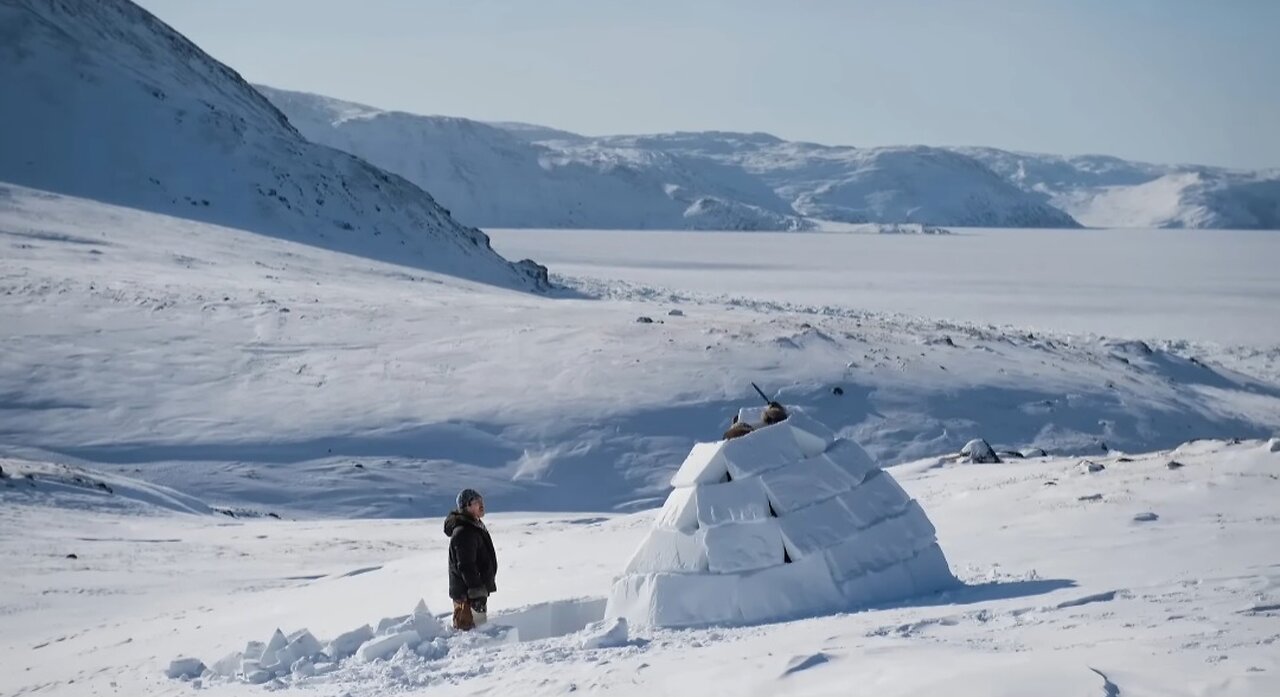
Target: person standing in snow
column 473, row 563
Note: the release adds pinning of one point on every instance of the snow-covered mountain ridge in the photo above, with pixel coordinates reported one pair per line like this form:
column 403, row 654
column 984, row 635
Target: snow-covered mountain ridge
column 509, row 174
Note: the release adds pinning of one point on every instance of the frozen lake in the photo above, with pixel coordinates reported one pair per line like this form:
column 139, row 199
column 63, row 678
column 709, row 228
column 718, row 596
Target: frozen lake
column 1204, row 285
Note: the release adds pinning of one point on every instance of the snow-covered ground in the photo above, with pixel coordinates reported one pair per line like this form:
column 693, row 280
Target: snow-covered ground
column 1072, row 589
column 190, row 366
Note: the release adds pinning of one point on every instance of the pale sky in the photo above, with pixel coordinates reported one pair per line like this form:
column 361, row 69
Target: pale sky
column 1195, row 81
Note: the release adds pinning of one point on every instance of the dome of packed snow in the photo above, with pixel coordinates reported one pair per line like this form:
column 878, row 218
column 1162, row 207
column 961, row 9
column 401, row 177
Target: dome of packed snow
column 786, row 521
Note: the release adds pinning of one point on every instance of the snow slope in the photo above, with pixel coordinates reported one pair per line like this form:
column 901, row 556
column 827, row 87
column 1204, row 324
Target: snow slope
column 281, row 377
column 104, row 101
column 488, row 176
column 1108, row 192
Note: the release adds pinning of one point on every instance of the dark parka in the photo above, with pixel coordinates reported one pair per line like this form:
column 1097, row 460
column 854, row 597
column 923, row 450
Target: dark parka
column 473, row 563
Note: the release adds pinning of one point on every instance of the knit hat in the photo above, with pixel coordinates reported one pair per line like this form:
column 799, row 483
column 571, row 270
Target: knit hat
column 465, row 497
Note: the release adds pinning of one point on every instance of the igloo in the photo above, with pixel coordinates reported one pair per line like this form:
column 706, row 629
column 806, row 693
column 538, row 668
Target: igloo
column 787, row 521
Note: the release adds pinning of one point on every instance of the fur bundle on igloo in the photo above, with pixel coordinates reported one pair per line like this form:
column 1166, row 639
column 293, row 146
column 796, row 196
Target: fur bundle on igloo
column 787, row 521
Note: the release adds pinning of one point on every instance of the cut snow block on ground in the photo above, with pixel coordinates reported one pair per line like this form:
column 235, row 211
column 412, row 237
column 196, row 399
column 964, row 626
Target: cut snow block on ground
column 780, row 532
column 295, row 658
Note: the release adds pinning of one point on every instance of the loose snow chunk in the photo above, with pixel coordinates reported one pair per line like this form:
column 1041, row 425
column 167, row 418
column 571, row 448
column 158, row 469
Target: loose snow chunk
column 760, row 451
column 978, row 451
column 705, row 464
column 669, row 550
column 877, row 498
column 743, row 546
column 185, row 668
column 385, row 646
column 789, row 591
column 813, row 437
column 884, row 544
column 425, row 623
column 253, row 650
column 675, row 600
column 850, row 457
column 303, row 645
column 346, row 644
column 228, row 666
column 732, row 502
column 814, row 528
column 605, row 634
column 1273, row 445
column 680, row 512
column 929, row 570
column 802, row 483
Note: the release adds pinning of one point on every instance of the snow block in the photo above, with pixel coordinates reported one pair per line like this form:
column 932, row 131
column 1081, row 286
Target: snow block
column 705, row 464
column 1273, row 445
column 346, row 644
column 887, row 543
column 303, row 668
column 669, row 550
column 387, row 625
column 929, row 570
column 731, row 502
column 228, row 665
column 303, row 645
column 760, row 451
column 804, row 483
column 253, row 650
column 425, row 623
column 605, row 634
column 743, row 546
column 258, row 677
column 874, row 587
column 680, row 512
column 188, row 668
column 850, row 457
column 675, row 600
column 788, row 591
column 812, row 437
column 384, row 647
column 271, row 655
column 814, row 528
column 875, row 499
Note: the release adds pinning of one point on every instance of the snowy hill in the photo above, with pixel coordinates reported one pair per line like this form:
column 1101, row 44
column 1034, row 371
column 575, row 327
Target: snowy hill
column 104, row 101
column 494, row 177
column 1102, row 191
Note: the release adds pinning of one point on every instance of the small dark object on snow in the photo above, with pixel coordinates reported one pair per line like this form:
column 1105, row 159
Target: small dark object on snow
column 1175, row 465
column 837, row 390
column 1090, row 497
column 1051, row 483
column 1012, row 453
column 359, row 465
column 1234, row 441
column 644, row 320
column 676, row 313
column 806, row 325
column 774, row 413
column 979, row 451
column 1146, row 517
column 2, row 474
column 72, row 556
column 1122, row 458
column 1104, row 447
column 737, row 430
